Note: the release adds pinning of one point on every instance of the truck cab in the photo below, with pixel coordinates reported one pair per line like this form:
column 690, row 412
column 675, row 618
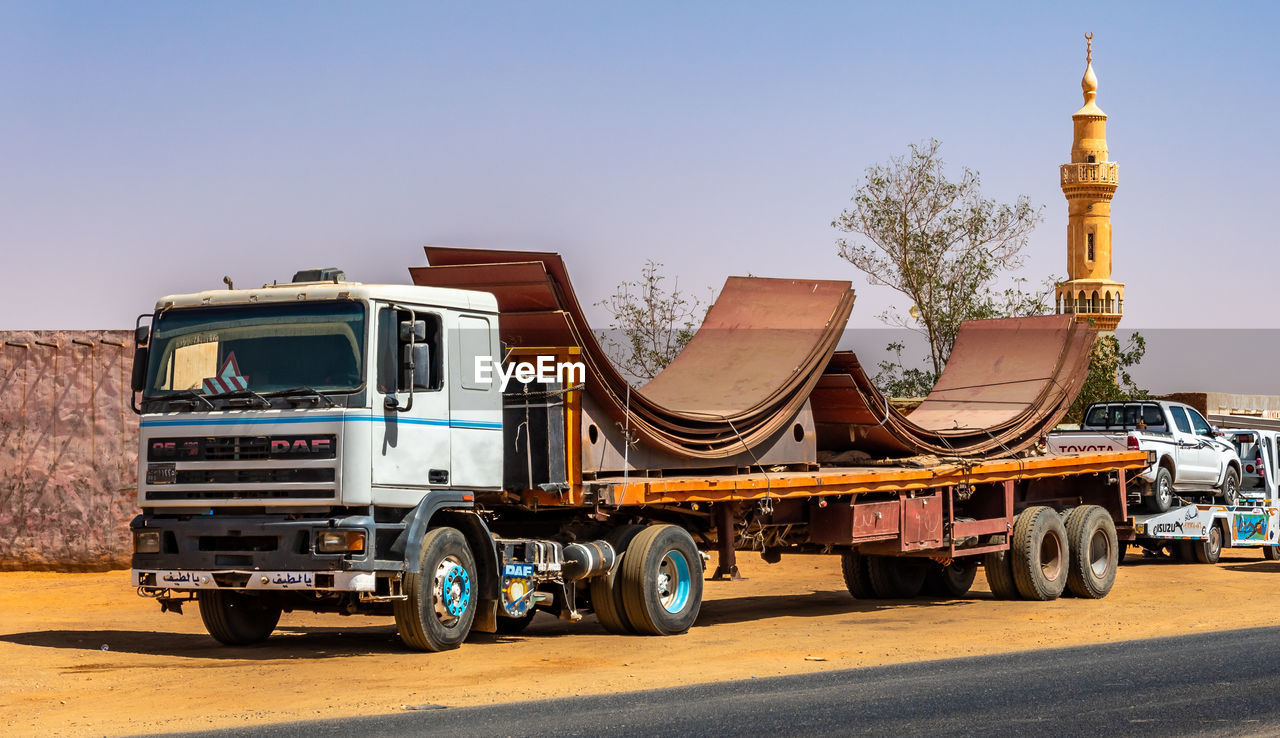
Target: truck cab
column 301, row 436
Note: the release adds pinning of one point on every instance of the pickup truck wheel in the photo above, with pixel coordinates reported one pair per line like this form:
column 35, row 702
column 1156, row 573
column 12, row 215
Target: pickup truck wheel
column 1091, row 536
column 857, row 578
column 440, row 598
column 1208, row 551
column 952, row 580
column 1000, row 575
column 894, row 578
column 1231, row 488
column 236, row 619
column 1271, row 553
column 1039, row 554
column 606, row 589
column 662, row 580
column 1161, row 498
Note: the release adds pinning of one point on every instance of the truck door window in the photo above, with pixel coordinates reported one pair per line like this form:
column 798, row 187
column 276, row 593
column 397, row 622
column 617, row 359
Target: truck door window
column 473, row 343
column 1201, row 426
column 392, row 369
column 1180, row 419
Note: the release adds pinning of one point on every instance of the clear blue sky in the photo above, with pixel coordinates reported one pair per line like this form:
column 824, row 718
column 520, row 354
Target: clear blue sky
column 148, row 148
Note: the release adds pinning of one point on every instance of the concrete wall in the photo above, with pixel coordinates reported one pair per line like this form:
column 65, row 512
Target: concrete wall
column 68, row 450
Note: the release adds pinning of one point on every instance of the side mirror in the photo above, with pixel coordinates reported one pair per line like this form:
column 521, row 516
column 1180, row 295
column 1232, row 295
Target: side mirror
column 142, row 335
column 421, row 366
column 138, row 379
column 417, row 329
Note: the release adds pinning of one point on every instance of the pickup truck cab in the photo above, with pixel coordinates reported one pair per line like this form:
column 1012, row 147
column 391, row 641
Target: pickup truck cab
column 1190, row 457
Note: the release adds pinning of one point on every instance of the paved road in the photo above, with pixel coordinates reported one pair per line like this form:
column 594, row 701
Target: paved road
column 1222, row 683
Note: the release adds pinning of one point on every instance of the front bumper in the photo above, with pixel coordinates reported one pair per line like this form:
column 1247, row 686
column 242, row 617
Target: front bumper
column 187, row 580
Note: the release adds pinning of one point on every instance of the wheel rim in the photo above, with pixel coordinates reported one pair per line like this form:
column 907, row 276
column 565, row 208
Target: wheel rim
column 1099, row 553
column 1165, row 490
column 1051, row 557
column 1229, row 492
column 1215, row 540
column 672, row 582
column 451, row 590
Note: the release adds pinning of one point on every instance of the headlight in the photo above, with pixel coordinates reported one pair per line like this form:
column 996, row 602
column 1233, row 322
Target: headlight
column 146, row 541
column 340, row 541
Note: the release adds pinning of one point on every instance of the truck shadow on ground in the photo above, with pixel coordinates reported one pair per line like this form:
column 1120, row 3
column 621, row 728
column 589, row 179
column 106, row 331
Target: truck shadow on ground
column 1260, row 567
column 310, row 643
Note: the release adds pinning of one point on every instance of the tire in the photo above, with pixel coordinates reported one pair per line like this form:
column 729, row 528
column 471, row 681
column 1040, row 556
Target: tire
column 440, row 598
column 1271, row 553
column 515, row 626
column 856, row 576
column 1184, row 551
column 1161, row 498
column 996, row 566
column 1039, row 554
column 1230, row 490
column 894, row 578
column 1209, row 550
column 236, row 619
column 661, row 578
column 606, row 589
column 1095, row 552
column 952, row 580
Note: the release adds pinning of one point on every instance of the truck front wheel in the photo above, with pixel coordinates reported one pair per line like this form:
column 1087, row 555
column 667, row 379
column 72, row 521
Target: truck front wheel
column 236, row 619
column 662, row 581
column 1231, row 487
column 440, row 598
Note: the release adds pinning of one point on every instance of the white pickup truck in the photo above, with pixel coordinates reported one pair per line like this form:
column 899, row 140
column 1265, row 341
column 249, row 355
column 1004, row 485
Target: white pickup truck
column 1191, row 458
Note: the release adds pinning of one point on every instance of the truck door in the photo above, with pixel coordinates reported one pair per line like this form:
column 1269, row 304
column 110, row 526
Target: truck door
column 475, row 399
column 1191, row 455
column 1208, row 453
column 410, row 447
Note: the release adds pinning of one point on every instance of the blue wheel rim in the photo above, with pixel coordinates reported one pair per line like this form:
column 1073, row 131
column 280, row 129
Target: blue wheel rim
column 673, row 582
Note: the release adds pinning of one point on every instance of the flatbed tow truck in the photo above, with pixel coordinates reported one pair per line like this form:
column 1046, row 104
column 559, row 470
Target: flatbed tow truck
column 323, row 445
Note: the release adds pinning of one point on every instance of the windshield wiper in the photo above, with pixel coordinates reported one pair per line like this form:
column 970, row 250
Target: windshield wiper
column 242, row 393
column 301, row 392
column 188, row 397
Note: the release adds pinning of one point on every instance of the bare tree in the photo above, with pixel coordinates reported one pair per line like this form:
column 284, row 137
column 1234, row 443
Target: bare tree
column 938, row 242
column 649, row 325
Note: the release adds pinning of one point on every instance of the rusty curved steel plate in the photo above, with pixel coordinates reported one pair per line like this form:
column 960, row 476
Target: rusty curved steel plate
column 767, row 347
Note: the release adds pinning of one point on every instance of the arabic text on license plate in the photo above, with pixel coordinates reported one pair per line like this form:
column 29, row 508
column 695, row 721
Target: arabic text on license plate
column 162, row 473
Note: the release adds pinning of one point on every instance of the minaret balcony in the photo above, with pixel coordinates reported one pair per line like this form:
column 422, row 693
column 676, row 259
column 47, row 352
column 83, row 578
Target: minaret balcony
column 1091, row 173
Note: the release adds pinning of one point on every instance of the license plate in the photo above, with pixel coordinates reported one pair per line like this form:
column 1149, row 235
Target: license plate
column 162, row 473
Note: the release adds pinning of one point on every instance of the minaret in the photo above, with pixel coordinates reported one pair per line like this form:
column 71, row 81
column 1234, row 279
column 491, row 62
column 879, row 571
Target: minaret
column 1089, row 182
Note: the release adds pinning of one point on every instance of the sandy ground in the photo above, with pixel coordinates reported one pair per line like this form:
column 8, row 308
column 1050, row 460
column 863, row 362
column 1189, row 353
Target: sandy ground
column 81, row 654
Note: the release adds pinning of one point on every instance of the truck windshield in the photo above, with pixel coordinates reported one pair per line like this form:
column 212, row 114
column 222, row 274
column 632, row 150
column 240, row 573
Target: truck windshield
column 258, row 348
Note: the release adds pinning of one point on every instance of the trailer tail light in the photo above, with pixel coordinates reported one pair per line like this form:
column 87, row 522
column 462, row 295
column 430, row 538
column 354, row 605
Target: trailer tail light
column 1132, row 443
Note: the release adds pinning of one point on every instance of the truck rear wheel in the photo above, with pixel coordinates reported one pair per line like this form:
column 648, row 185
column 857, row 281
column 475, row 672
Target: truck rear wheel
column 952, row 580
column 1039, row 554
column 1161, row 498
column 1209, row 550
column 606, row 589
column 856, row 576
column 236, row 619
column 1091, row 536
column 662, row 581
column 996, row 565
column 1271, row 553
column 440, row 598
column 894, row 578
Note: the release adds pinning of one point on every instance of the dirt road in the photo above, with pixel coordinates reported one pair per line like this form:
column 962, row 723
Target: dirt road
column 81, row 654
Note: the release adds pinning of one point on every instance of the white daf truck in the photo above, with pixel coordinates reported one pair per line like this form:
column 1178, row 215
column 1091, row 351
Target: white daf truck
column 336, row 447
column 1192, row 459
